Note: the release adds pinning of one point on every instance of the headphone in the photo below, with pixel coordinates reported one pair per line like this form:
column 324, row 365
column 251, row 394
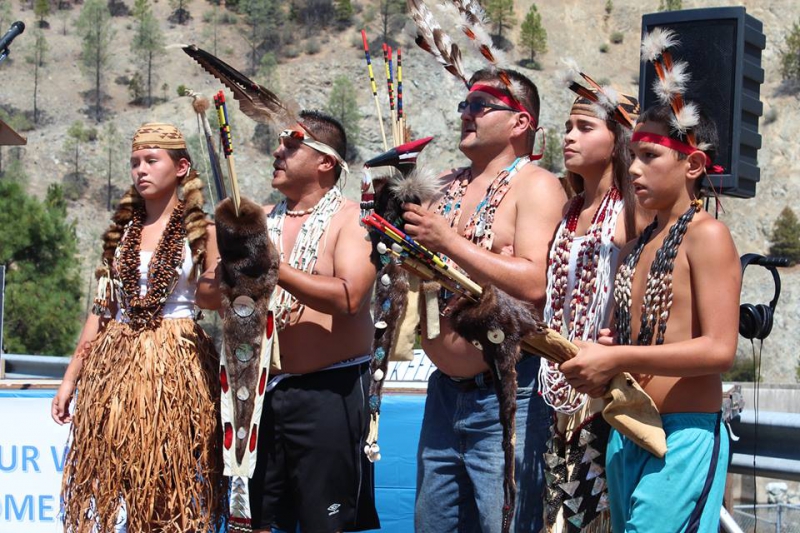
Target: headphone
column 755, row 321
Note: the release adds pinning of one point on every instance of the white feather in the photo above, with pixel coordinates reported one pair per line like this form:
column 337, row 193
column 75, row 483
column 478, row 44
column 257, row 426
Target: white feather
column 600, row 111
column 656, row 42
column 704, row 147
column 686, row 118
column 673, row 83
column 571, row 73
column 608, row 97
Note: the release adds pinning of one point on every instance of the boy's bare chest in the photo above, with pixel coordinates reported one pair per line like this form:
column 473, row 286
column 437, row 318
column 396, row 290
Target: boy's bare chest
column 295, row 235
column 479, row 212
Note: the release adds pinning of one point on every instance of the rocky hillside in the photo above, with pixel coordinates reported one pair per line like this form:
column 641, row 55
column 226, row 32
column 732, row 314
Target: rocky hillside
column 576, row 28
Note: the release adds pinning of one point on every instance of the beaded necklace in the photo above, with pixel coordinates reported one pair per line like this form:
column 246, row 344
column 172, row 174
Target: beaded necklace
column 163, row 269
column 591, row 289
column 479, row 226
column 657, row 299
column 306, row 246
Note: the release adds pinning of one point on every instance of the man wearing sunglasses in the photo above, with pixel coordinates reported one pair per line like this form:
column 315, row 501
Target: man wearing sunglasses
column 311, row 469
column 507, row 210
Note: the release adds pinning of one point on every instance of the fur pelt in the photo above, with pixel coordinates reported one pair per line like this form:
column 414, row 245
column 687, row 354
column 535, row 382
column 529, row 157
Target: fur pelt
column 249, row 267
column 496, row 324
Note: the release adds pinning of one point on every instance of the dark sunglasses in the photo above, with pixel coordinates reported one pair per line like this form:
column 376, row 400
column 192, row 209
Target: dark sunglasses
column 476, row 106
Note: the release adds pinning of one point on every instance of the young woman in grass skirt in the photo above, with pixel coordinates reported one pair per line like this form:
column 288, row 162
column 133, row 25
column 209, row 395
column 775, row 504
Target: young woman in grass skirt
column 145, row 449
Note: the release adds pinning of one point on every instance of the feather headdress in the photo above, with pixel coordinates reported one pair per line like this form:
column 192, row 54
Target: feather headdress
column 433, row 39
column 255, row 101
column 472, row 21
column 597, row 101
column 672, row 79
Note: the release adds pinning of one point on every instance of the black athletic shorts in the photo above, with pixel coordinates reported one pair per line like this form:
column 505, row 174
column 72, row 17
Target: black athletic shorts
column 311, row 467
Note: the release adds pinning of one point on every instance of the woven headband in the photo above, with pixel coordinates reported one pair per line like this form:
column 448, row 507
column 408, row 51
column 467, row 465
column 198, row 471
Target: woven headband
column 678, row 146
column 319, row 146
column 158, row 135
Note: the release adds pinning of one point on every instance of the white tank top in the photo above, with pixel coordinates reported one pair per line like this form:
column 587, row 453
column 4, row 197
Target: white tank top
column 180, row 302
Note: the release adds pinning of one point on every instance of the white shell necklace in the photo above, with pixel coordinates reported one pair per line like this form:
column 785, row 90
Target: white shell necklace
column 306, row 245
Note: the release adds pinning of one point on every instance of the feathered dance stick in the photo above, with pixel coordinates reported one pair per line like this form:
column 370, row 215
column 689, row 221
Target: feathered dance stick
column 374, row 88
column 255, row 101
column 227, row 147
column 432, row 38
column 200, row 104
column 395, row 310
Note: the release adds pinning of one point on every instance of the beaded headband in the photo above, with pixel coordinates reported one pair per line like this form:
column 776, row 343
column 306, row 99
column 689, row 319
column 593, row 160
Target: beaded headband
column 158, row 135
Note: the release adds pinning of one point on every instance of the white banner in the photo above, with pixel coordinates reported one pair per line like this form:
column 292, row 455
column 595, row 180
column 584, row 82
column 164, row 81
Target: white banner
column 31, row 462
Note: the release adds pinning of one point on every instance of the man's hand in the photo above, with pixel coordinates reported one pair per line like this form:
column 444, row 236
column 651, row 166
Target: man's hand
column 590, row 370
column 427, row 228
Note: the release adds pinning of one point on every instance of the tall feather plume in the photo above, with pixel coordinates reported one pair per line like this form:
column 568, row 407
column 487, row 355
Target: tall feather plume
column 656, row 42
column 672, row 83
column 255, row 101
column 433, row 39
column 686, row 118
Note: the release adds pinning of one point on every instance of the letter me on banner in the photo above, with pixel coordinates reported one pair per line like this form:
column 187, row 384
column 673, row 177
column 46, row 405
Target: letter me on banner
column 31, row 462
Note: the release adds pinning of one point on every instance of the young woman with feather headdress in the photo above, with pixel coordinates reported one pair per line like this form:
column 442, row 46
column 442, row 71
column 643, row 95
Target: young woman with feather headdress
column 145, row 450
column 600, row 219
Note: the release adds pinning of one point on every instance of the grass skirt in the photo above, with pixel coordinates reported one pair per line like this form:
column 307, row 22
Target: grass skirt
column 146, row 432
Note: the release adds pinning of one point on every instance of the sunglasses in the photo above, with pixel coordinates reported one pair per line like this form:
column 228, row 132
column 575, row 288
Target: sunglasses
column 477, row 106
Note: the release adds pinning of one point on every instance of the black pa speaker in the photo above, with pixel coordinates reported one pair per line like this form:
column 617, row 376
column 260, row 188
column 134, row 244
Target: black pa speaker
column 723, row 49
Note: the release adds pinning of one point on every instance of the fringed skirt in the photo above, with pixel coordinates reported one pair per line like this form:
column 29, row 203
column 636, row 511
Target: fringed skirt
column 576, row 498
column 145, row 433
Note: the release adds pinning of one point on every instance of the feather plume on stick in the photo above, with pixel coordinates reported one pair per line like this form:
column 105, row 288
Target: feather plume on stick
column 255, row 101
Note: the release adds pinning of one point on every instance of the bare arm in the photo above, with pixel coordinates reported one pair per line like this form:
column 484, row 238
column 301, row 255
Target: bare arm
column 715, row 283
column 540, row 200
column 349, row 287
column 207, row 294
column 60, row 405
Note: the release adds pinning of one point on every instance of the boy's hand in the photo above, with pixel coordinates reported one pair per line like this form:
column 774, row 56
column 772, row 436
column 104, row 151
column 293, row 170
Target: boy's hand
column 428, row 229
column 606, row 337
column 590, row 370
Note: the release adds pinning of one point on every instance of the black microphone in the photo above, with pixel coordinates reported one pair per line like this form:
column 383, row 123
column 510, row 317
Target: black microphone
column 16, row 28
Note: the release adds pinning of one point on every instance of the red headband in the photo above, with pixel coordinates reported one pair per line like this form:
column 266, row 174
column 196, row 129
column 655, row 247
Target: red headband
column 676, row 145
column 501, row 95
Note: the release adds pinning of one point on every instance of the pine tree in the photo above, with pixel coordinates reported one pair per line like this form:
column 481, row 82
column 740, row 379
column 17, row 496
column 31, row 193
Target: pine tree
column 790, row 55
column 344, row 12
column 501, row 13
column 39, row 248
column 785, row 237
column 77, row 135
column 263, row 19
column 342, row 105
column 36, row 57
column 553, row 158
column 533, row 36
column 111, row 140
column 94, row 27
column 41, row 8
column 148, row 43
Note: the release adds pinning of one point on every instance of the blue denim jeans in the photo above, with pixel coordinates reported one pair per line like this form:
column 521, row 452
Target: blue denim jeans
column 460, row 457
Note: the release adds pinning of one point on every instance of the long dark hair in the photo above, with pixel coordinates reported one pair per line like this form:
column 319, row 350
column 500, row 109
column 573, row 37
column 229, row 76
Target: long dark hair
column 620, row 162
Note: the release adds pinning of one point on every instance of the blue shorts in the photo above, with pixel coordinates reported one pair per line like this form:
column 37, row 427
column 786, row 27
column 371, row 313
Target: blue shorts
column 460, row 459
column 681, row 492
